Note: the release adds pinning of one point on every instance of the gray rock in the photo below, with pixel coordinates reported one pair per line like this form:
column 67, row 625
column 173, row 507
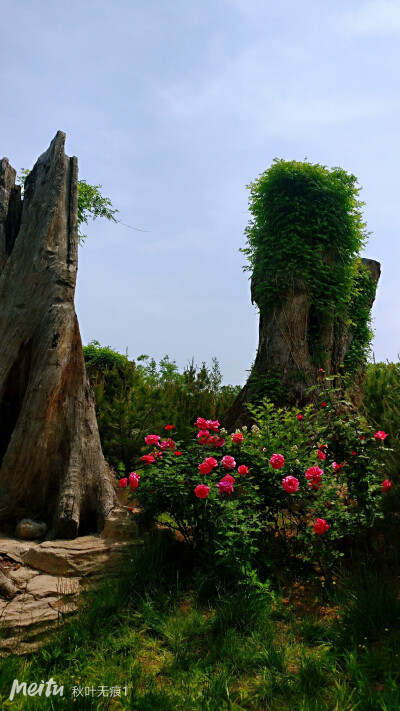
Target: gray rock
column 29, row 530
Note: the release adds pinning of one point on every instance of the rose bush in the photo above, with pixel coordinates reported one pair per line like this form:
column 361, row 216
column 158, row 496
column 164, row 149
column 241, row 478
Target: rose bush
column 232, row 498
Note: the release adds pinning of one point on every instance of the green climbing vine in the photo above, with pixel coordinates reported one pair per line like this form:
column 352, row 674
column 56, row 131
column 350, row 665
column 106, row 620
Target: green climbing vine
column 307, row 226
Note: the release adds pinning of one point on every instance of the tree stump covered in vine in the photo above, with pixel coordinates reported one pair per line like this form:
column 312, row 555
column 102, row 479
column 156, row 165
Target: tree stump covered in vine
column 313, row 290
column 51, row 464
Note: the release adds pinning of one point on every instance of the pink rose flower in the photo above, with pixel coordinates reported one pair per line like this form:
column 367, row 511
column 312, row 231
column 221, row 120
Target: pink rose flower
column 213, row 425
column 168, row 444
column 242, row 469
column 152, row 439
column 381, row 435
column 228, row 462
column 321, row 455
column 203, row 436
column 314, row 474
column 148, row 458
column 217, row 441
column 229, row 478
column 202, row 491
column 320, row 526
column 386, row 485
column 211, row 461
column 337, row 467
column 123, row 483
column 277, row 461
column 290, row 484
column 237, row 437
column 201, row 423
column 205, row 468
column 225, row 487
column 134, row 480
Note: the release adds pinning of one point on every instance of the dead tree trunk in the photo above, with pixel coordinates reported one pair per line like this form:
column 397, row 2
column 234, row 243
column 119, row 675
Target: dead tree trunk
column 51, row 463
column 284, row 354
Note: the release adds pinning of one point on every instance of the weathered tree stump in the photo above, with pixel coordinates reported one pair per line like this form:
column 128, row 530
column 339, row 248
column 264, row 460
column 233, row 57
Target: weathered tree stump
column 284, row 349
column 51, row 463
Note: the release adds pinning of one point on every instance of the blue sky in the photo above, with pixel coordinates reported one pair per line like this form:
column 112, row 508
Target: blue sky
column 174, row 106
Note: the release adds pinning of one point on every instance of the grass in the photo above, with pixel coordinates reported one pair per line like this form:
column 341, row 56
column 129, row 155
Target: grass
column 235, row 649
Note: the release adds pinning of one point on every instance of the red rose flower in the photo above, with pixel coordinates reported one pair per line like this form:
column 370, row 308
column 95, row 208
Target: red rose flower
column 211, row 461
column 169, row 427
column 300, row 416
column 205, row 468
column 134, row 480
column 321, row 455
column 381, row 435
column 386, row 485
column 148, row 458
column 152, row 439
column 177, row 454
column 320, row 526
column 353, row 454
column 290, row 484
column 202, row 491
column 201, row 423
column 203, row 436
column 277, row 461
column 242, row 469
column 123, row 483
column 337, row 467
column 237, row 437
column 323, row 404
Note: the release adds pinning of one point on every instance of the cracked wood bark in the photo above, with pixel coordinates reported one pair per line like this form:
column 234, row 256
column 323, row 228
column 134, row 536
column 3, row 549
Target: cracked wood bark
column 51, row 463
column 283, row 345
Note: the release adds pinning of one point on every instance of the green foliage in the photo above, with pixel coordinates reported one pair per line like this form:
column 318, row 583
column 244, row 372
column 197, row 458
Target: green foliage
column 382, row 405
column 359, row 317
column 91, row 203
column 132, row 398
column 307, row 226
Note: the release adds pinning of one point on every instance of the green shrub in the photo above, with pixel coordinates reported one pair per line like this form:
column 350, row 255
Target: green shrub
column 230, row 496
column 132, row 398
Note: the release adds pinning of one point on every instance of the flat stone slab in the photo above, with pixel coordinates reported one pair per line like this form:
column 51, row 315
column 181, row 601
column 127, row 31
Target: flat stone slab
column 81, row 557
column 50, row 585
column 14, row 549
column 22, row 575
column 50, row 576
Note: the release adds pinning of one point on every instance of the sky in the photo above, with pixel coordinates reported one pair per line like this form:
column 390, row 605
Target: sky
column 174, row 107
